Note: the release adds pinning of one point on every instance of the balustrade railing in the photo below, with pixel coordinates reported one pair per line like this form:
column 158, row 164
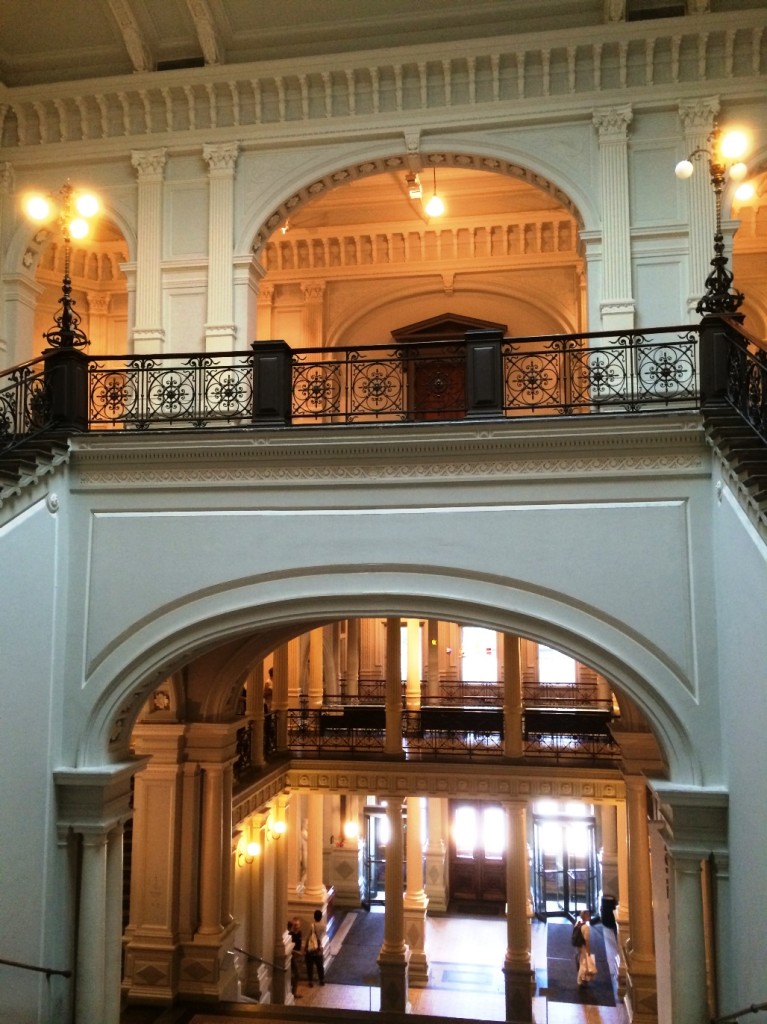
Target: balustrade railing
column 483, row 376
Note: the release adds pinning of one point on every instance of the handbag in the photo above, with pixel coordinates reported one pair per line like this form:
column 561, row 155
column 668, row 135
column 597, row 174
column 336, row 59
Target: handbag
column 592, row 964
column 312, row 943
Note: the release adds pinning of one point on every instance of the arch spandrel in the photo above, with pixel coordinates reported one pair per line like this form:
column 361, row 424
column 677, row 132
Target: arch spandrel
column 271, row 613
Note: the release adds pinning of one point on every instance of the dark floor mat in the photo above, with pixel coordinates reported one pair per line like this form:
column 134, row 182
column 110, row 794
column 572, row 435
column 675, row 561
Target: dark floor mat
column 562, row 969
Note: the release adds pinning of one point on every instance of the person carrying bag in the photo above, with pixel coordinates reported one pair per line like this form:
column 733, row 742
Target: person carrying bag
column 314, row 951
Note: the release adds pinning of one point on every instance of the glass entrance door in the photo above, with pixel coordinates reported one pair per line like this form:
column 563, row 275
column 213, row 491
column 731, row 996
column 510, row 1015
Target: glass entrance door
column 565, row 876
column 374, row 854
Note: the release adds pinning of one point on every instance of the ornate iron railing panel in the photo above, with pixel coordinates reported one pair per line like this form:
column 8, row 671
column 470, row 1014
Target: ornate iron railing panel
column 150, row 391
column 554, row 695
column 568, row 747
column 747, row 383
column 25, row 402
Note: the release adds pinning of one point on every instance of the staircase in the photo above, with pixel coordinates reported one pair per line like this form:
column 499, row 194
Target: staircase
column 744, row 455
column 28, row 462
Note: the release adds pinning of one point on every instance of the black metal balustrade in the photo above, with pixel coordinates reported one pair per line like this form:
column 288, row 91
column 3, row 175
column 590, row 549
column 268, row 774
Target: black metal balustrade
column 485, row 375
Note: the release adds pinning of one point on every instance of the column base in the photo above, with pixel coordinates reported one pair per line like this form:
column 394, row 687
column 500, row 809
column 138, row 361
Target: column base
column 520, row 989
column 641, row 992
column 394, row 981
column 415, row 939
column 207, row 970
column 151, row 972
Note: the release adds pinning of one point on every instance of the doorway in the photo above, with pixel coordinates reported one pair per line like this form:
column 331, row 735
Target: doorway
column 376, row 836
column 565, row 875
column 477, row 855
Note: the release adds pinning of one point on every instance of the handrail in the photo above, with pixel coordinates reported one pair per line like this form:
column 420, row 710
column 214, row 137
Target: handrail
column 47, row 971
column 753, row 1008
column 257, row 959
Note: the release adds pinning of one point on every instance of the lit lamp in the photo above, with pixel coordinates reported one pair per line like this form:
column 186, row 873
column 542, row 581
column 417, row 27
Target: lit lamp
column 724, row 154
column 275, row 829
column 70, row 210
column 435, row 207
column 351, row 830
column 247, row 852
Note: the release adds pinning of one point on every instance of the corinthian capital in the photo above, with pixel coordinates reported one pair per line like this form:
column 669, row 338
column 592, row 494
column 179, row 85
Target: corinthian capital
column 150, row 163
column 222, row 157
column 612, row 123
column 698, row 115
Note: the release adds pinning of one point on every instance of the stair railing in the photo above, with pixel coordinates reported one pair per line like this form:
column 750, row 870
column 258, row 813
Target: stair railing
column 47, row 971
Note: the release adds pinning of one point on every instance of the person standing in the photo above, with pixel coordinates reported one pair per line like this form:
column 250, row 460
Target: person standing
column 586, row 964
column 314, row 952
column 294, row 929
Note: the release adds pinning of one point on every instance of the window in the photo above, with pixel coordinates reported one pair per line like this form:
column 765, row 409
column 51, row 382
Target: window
column 555, row 667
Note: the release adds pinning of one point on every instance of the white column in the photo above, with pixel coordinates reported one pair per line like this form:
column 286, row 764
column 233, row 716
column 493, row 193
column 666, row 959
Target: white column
column 393, row 741
column 622, row 913
column 352, row 657
column 617, row 305
column 512, row 697
column 315, row 680
column 113, row 926
column 220, row 330
column 92, row 931
column 148, row 331
column 282, row 945
column 517, row 968
column 394, row 955
column 640, row 948
column 314, row 890
column 314, row 309
column 435, row 883
column 697, row 119
column 416, row 901
column 413, row 682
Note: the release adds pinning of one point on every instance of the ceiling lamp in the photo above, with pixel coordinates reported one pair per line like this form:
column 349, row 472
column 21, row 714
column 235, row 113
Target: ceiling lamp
column 435, row 207
column 414, row 189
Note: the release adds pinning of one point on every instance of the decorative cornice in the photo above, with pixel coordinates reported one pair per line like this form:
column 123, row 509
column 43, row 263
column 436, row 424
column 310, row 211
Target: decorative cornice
column 356, row 457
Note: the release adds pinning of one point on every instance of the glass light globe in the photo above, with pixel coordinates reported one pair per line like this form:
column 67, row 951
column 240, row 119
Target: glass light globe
column 738, row 172
column 254, row 849
column 684, row 169
column 745, row 192
column 435, row 207
column 733, row 145
column 87, row 205
column 78, row 228
column 38, row 208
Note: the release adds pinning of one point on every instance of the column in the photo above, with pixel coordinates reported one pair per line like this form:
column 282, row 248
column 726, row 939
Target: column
column 435, row 884
column 608, row 817
column 622, row 913
column 640, row 948
column 697, row 119
column 91, row 965
column 282, row 943
column 432, row 659
column 512, row 697
column 6, row 186
column 352, row 657
column 314, row 314
column 315, row 678
column 314, row 890
column 280, row 698
column 211, row 852
column 394, row 956
column 517, row 967
column 220, row 330
column 416, row 901
column 413, row 681
column 113, row 925
column 255, row 983
column 617, row 305
column 393, row 740
column 148, row 332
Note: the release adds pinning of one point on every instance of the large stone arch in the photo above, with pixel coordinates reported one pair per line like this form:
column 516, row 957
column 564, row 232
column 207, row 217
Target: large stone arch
column 270, row 611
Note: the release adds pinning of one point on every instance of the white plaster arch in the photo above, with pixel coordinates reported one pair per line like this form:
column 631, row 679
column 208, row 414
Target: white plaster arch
column 318, row 176
column 282, row 607
column 542, row 303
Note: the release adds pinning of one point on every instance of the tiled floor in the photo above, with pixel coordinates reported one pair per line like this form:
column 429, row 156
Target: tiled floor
column 454, row 944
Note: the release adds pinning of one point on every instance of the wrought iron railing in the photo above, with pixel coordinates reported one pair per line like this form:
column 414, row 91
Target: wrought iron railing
column 25, row 402
column 747, row 380
column 564, row 695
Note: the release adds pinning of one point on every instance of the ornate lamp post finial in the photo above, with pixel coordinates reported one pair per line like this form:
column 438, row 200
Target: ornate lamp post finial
column 723, row 152
column 70, row 210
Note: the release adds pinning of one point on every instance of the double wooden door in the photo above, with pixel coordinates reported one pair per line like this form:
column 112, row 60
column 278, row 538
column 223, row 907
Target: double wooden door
column 477, row 867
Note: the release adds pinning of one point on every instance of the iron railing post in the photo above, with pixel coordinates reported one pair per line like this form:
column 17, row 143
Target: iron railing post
column 66, row 384
column 484, row 374
column 272, row 383
column 715, row 336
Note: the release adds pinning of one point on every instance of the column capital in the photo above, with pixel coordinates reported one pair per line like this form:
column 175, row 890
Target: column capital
column 96, row 799
column 694, row 820
column 222, row 157
column 612, row 123
column 149, row 163
column 698, row 115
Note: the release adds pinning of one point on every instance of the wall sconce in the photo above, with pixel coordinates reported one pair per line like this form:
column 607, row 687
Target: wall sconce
column 414, row 189
column 247, row 852
column 724, row 152
column 435, row 207
column 351, row 830
column 275, row 830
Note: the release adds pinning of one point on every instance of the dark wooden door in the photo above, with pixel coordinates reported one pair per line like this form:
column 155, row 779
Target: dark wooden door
column 477, row 852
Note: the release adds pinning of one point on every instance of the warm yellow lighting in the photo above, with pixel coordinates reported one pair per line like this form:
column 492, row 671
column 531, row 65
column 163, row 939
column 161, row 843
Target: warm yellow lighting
column 38, row 207
column 247, row 852
column 745, row 192
column 435, row 207
column 738, row 172
column 86, row 204
column 78, row 227
column 277, row 829
column 351, row 830
column 254, row 849
column 734, row 145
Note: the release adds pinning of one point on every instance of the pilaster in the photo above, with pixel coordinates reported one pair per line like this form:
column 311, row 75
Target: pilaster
column 617, row 305
column 148, row 331
column 697, row 117
column 220, row 330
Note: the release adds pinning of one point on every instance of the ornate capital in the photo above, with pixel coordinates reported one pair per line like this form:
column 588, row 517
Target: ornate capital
column 222, row 157
column 612, row 123
column 698, row 115
column 150, row 163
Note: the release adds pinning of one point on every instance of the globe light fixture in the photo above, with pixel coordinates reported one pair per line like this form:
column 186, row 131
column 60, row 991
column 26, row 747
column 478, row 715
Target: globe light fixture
column 434, row 207
column 70, row 211
column 724, row 152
